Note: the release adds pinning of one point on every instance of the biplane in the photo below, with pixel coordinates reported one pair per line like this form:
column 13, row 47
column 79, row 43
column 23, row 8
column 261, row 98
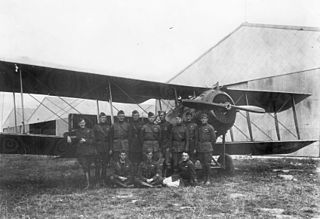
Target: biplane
column 221, row 103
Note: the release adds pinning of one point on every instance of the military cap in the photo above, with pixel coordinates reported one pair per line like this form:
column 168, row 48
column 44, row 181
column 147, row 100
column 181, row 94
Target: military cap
column 120, row 112
column 204, row 115
column 150, row 114
column 102, row 114
column 134, row 112
column 188, row 113
column 149, row 150
column 82, row 119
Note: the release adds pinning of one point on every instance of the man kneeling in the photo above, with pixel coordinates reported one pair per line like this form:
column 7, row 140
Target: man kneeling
column 186, row 171
column 149, row 173
column 185, row 175
column 122, row 172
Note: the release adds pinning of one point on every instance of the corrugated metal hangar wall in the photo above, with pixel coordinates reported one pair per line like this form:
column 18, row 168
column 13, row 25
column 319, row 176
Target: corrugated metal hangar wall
column 266, row 57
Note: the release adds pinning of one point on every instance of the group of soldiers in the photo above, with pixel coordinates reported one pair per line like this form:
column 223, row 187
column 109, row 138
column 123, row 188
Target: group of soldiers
column 142, row 154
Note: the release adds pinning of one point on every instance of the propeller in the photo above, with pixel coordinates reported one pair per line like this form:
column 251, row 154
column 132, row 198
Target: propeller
column 228, row 106
column 173, row 113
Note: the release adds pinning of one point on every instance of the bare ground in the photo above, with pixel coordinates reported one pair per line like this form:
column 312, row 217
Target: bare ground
column 46, row 187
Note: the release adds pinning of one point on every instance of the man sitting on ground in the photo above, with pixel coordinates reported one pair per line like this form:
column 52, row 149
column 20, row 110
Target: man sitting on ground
column 149, row 173
column 122, row 175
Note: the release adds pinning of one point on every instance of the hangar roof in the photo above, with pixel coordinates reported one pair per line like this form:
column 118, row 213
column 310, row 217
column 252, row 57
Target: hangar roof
column 253, row 51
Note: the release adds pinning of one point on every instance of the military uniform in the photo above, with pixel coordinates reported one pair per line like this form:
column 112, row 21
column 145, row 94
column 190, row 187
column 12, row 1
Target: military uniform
column 135, row 150
column 193, row 138
column 206, row 140
column 147, row 170
column 150, row 136
column 85, row 151
column 179, row 141
column 120, row 133
column 166, row 128
column 187, row 173
column 121, row 169
column 101, row 133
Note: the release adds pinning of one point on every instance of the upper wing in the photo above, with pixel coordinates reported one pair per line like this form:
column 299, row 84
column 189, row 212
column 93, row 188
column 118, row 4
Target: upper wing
column 271, row 101
column 61, row 82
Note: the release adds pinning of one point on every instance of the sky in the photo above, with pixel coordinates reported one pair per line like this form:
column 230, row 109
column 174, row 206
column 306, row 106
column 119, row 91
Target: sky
column 146, row 39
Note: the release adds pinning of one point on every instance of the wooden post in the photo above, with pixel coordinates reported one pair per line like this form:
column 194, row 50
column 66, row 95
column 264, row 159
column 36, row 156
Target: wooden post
column 295, row 116
column 110, row 103
column 248, row 120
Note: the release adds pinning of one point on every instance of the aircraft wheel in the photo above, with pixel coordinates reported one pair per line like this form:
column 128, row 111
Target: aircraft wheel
column 229, row 167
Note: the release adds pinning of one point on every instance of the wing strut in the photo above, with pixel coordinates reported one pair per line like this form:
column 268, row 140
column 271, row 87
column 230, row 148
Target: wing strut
column 295, row 116
column 22, row 102
column 15, row 113
column 160, row 105
column 110, row 102
column 224, row 150
column 248, row 119
column 175, row 97
column 255, row 125
column 280, row 123
column 98, row 111
column 231, row 134
column 276, row 122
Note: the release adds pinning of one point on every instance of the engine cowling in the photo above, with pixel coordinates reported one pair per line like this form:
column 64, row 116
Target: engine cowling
column 222, row 119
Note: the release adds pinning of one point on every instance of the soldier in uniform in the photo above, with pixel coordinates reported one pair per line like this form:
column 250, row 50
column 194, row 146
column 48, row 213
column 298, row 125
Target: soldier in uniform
column 179, row 142
column 119, row 134
column 192, row 128
column 101, row 133
column 149, row 173
column 186, row 171
column 122, row 171
column 206, row 140
column 85, row 150
column 135, row 150
column 166, row 128
column 150, row 136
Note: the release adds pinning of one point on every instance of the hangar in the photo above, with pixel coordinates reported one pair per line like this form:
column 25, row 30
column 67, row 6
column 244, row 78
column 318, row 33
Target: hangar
column 266, row 57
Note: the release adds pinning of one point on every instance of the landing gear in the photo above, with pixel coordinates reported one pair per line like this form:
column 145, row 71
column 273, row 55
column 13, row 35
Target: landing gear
column 225, row 160
column 228, row 167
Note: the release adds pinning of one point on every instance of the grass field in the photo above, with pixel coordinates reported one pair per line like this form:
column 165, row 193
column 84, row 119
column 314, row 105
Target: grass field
column 45, row 187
